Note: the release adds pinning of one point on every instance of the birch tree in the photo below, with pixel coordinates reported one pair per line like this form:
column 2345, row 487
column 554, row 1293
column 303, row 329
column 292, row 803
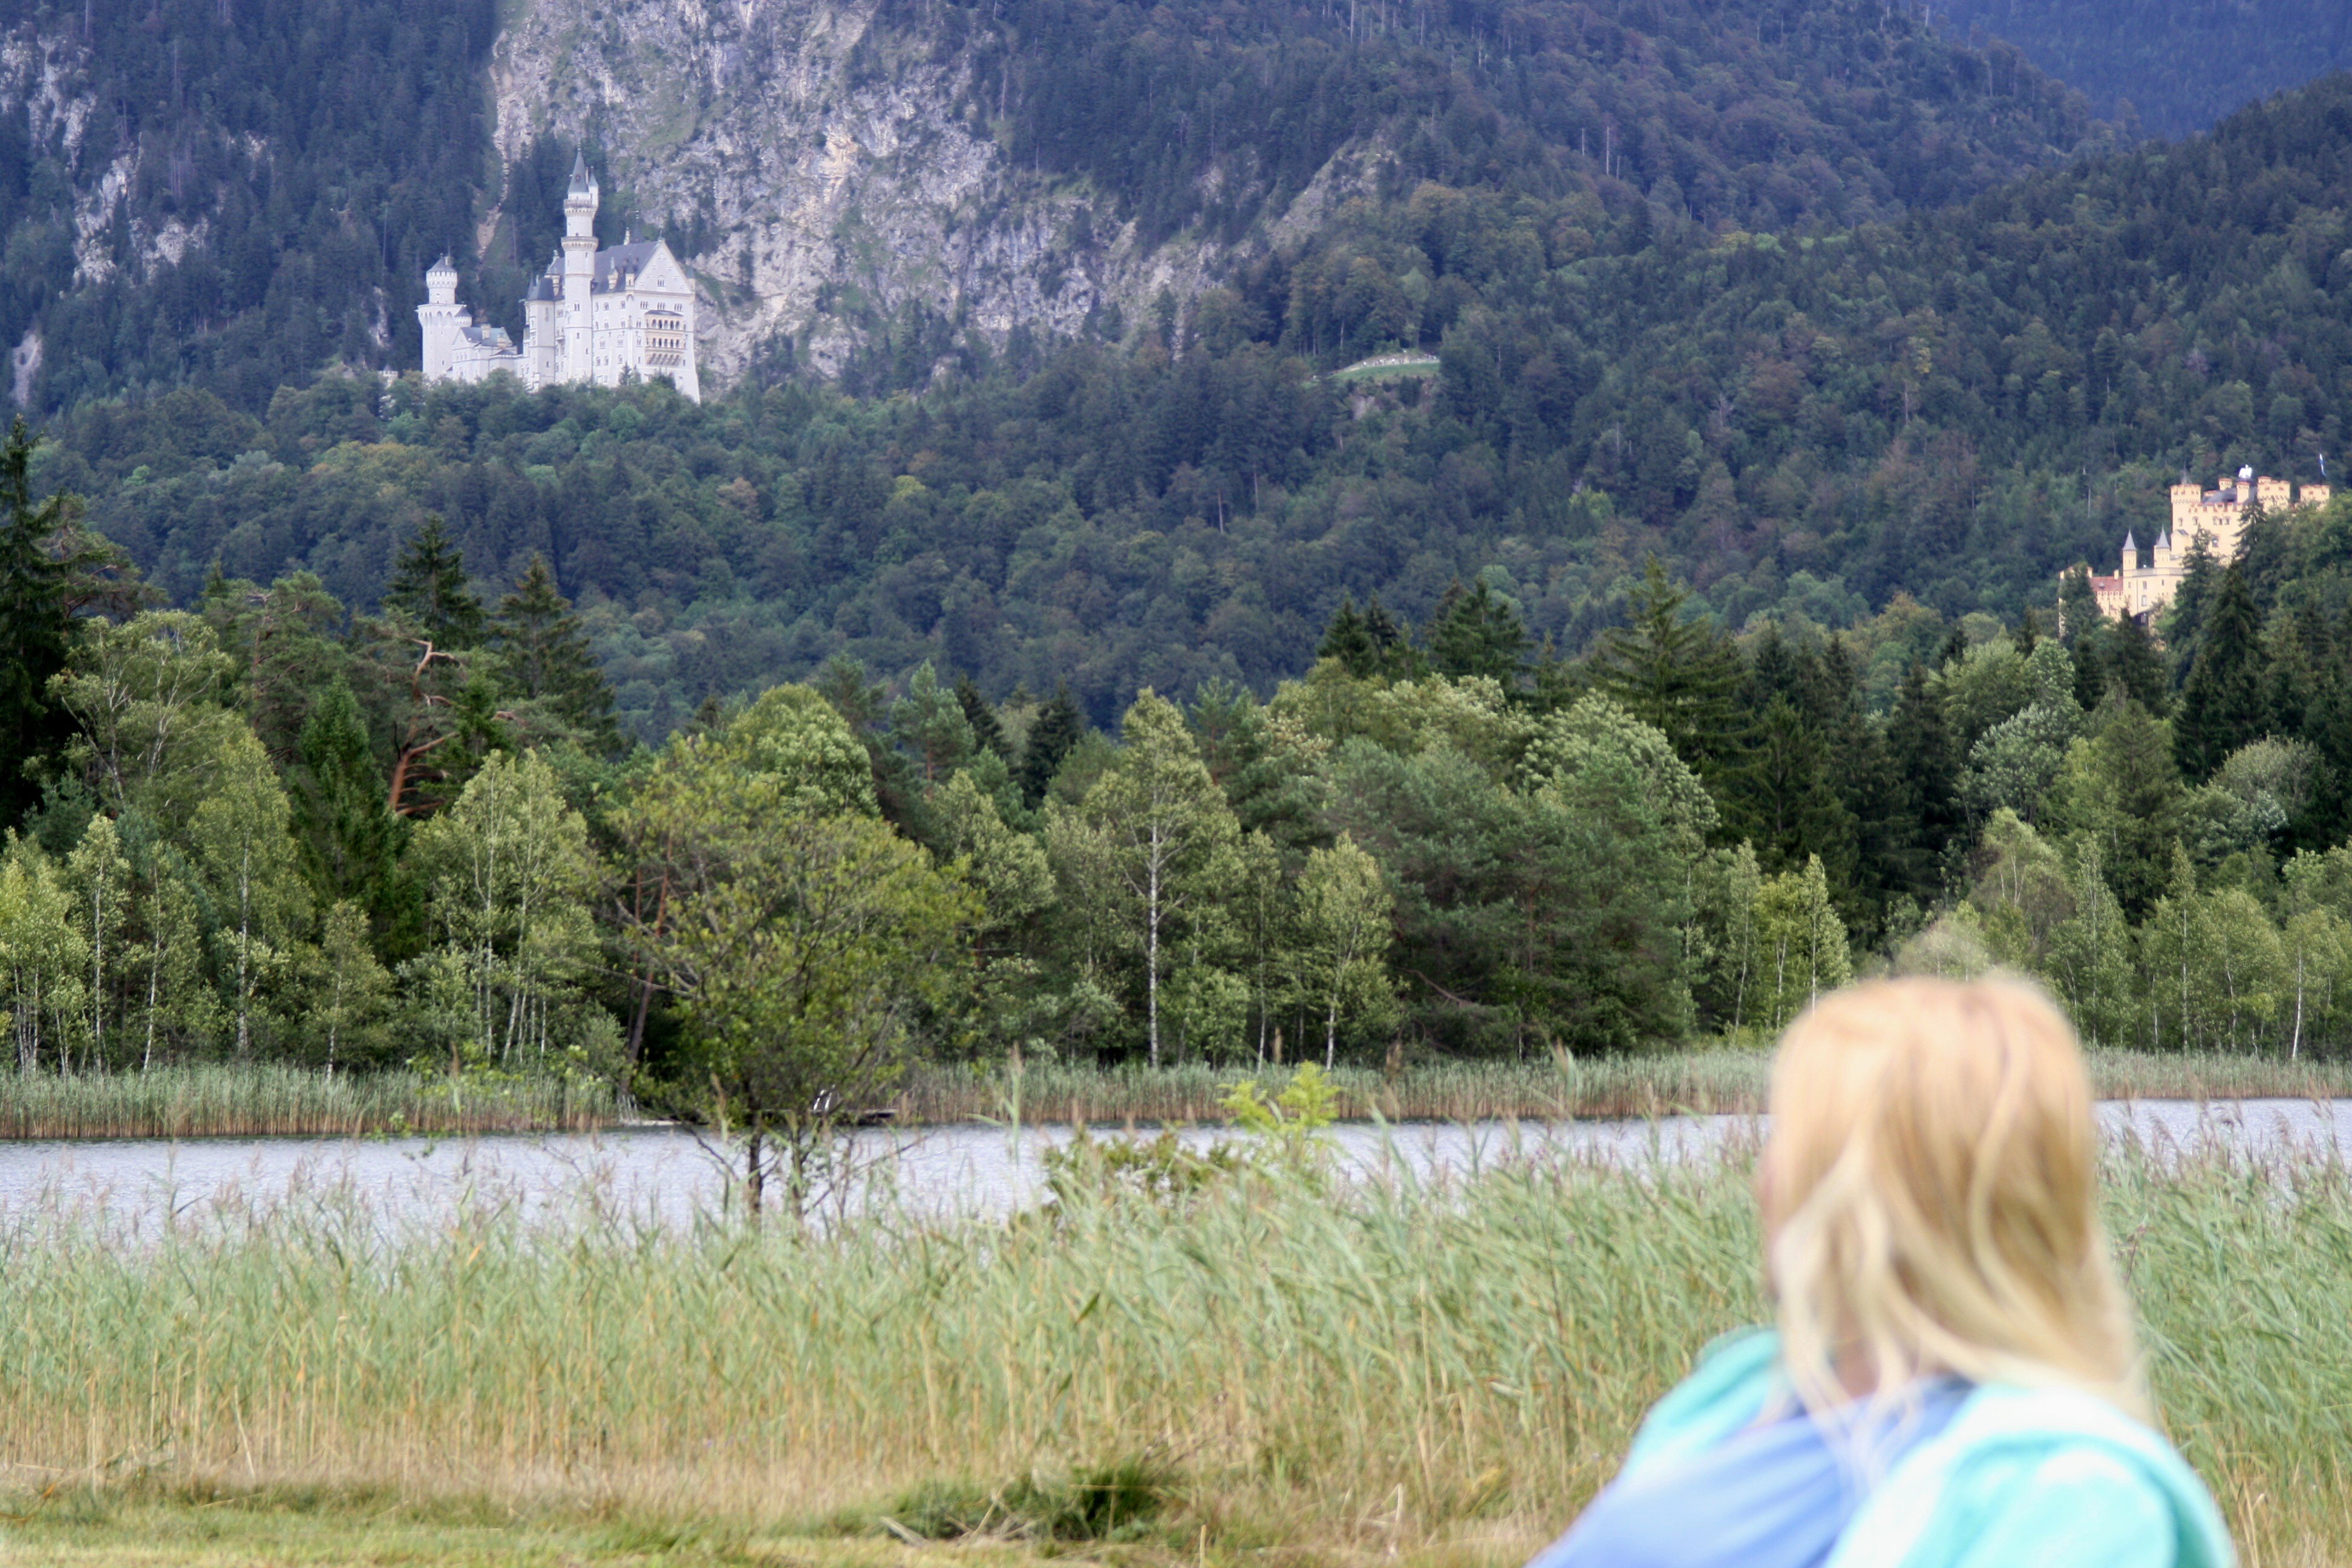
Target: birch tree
column 508, row 871
column 1344, row 924
column 1162, row 823
column 244, row 849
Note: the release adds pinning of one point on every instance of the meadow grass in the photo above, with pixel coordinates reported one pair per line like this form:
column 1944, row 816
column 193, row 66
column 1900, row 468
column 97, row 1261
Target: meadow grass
column 264, row 1099
column 1441, row 1371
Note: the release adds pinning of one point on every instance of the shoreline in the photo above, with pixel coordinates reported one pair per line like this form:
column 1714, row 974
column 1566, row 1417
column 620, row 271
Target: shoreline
column 256, row 1101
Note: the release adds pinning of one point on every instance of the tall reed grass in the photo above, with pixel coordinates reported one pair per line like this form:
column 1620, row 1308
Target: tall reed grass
column 1351, row 1371
column 267, row 1100
column 259, row 1100
column 1708, row 1080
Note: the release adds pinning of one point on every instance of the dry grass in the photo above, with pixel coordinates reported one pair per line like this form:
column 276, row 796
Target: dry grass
column 1272, row 1368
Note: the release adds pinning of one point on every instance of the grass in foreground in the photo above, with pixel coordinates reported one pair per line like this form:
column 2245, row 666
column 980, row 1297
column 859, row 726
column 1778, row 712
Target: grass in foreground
column 279, row 1527
column 1270, row 1369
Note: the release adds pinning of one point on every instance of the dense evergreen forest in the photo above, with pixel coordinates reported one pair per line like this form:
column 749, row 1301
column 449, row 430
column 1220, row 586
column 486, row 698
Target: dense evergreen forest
column 1952, row 407
column 2179, row 64
column 269, row 828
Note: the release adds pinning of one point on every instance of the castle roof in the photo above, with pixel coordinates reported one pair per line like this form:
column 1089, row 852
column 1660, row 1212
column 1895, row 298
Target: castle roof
column 2164, row 540
column 583, row 182
column 542, row 288
column 2129, row 543
column 441, row 266
column 630, row 258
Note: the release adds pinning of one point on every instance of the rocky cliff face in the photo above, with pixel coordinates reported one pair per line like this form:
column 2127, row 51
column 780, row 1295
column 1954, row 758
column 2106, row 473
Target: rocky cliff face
column 841, row 171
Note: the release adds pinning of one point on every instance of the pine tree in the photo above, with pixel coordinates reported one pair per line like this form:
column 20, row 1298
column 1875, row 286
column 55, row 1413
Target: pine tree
column 1057, row 728
column 1475, row 633
column 430, row 585
column 36, row 627
column 2226, row 703
column 548, row 659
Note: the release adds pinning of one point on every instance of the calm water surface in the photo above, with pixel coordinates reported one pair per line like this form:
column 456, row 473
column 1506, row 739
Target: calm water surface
column 669, row 1176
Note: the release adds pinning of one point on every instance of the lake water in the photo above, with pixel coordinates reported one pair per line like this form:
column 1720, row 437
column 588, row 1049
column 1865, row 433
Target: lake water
column 669, row 1176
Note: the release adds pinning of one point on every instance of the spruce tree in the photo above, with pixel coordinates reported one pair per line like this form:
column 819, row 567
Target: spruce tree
column 1672, row 670
column 986, row 729
column 2136, row 668
column 1473, row 633
column 1347, row 640
column 548, row 659
column 343, row 822
column 36, row 629
column 429, row 584
column 1398, row 658
column 2184, row 624
column 1057, row 728
column 2226, row 703
column 1920, row 743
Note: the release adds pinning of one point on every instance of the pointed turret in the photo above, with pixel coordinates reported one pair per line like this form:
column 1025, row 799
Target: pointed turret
column 581, row 178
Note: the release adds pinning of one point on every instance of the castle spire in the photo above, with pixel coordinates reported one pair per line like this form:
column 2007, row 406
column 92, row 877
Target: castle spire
column 581, row 178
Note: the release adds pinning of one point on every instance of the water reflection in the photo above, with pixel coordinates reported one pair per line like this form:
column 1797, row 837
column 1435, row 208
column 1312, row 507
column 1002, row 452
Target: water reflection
column 669, row 1176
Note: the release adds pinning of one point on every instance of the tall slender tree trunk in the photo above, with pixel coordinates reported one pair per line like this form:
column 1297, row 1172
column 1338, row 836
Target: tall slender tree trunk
column 1151, row 945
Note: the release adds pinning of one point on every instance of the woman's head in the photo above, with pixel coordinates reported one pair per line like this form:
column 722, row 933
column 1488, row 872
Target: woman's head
column 1929, row 1192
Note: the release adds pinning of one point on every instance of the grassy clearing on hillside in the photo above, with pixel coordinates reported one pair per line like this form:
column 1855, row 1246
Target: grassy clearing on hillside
column 259, row 1100
column 1270, row 1369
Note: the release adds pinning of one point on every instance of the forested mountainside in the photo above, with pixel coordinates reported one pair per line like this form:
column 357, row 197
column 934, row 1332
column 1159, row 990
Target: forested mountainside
column 1946, row 409
column 238, row 195
column 2181, row 65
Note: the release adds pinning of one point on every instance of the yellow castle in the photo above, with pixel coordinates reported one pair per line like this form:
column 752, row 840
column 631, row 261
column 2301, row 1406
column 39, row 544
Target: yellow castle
column 2218, row 516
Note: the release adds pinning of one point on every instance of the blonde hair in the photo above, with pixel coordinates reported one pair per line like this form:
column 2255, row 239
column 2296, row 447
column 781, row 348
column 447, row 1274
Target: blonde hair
column 1930, row 1189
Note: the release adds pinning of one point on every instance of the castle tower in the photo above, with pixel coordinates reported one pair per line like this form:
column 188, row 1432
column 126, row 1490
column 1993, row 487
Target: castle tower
column 579, row 273
column 442, row 320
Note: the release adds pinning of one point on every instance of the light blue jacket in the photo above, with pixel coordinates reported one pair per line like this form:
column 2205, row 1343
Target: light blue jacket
column 2019, row 1478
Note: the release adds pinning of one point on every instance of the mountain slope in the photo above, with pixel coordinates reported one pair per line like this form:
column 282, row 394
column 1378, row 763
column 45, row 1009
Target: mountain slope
column 2181, row 65
column 238, row 193
column 1953, row 406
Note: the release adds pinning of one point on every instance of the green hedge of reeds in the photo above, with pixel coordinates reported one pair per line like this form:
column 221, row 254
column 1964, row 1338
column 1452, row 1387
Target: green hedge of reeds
column 1708, row 1080
column 263, row 1100
column 1267, row 1365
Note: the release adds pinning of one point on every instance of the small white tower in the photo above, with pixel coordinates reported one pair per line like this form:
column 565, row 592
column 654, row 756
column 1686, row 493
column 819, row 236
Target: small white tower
column 579, row 272
column 441, row 320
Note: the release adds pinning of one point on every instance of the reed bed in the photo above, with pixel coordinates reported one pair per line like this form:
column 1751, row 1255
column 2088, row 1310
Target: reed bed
column 264, row 1100
column 267, row 1100
column 1270, row 1365
column 1708, row 1080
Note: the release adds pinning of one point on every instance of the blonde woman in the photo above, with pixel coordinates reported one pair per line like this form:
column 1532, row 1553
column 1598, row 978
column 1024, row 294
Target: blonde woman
column 1952, row 1382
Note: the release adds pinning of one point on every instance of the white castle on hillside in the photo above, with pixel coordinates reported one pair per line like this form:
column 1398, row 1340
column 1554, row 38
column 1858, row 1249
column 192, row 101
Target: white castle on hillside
column 593, row 315
column 2217, row 516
